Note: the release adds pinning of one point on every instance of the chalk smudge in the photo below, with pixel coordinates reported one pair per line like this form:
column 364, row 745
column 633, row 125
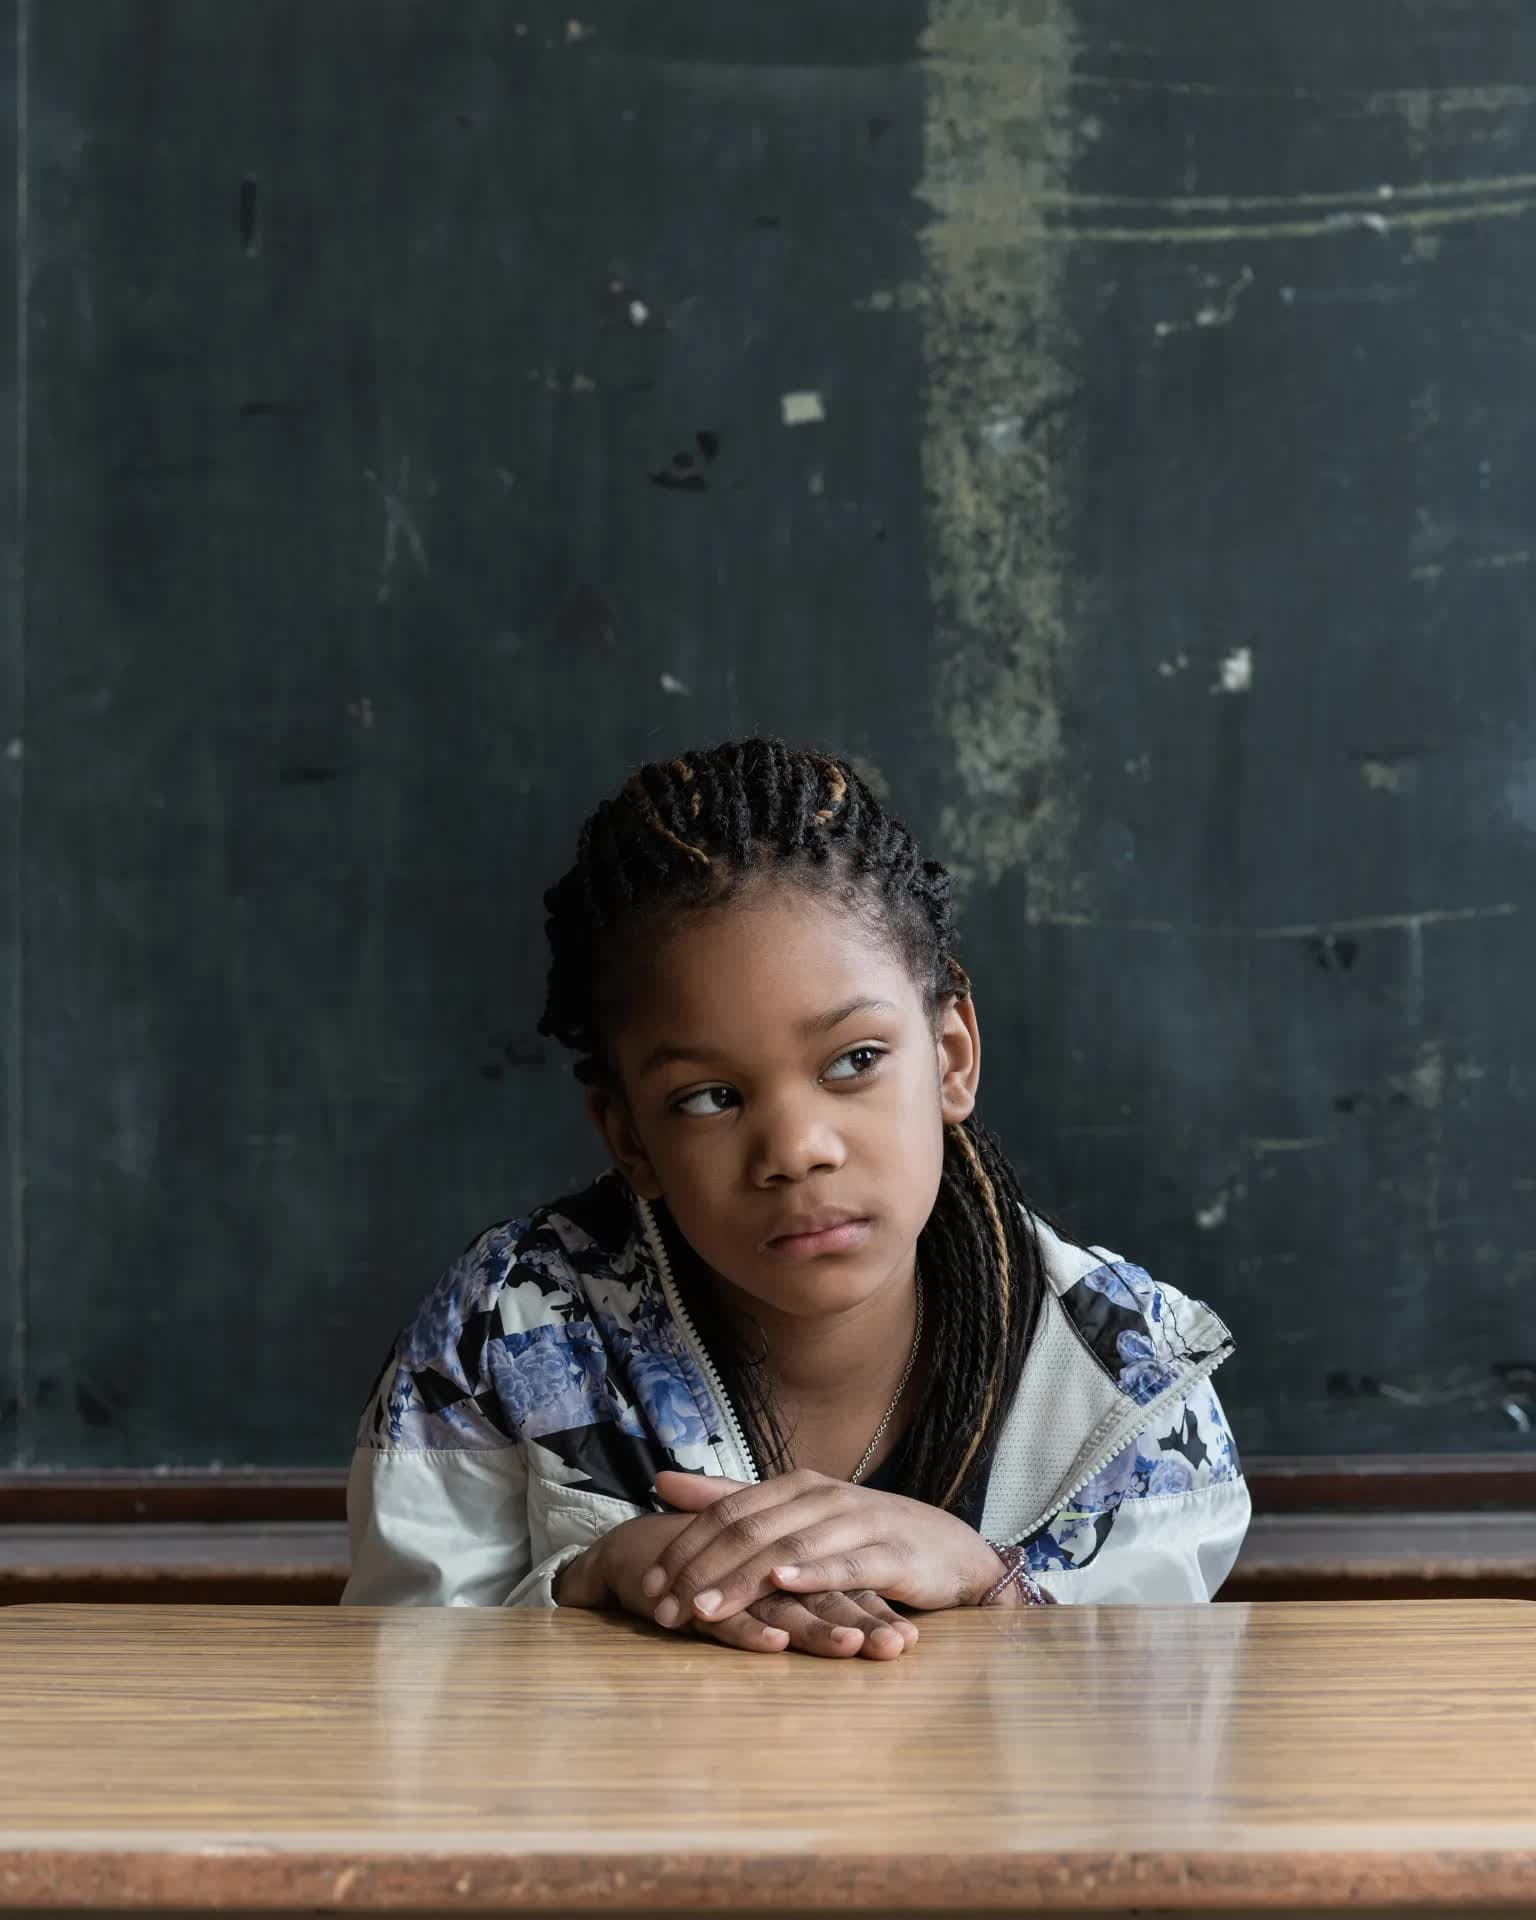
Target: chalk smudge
column 998, row 138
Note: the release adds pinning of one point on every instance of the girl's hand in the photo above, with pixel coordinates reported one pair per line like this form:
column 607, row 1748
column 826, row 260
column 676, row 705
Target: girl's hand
column 804, row 1533
column 834, row 1625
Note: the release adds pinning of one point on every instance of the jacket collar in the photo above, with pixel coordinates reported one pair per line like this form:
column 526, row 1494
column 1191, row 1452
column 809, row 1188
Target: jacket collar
column 1070, row 1415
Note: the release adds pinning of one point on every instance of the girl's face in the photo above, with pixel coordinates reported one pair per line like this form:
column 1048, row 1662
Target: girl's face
column 785, row 1091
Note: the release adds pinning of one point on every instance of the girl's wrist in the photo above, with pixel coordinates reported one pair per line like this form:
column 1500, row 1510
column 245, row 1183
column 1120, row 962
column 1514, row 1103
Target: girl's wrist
column 1015, row 1585
column 583, row 1582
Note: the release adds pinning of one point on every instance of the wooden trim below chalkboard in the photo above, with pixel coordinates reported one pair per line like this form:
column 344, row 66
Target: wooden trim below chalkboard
column 1340, row 1556
column 1369, row 1483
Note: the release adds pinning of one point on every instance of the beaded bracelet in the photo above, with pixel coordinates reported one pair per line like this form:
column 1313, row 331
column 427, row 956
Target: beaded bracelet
column 1016, row 1560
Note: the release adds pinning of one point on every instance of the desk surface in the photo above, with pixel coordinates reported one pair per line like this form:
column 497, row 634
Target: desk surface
column 463, row 1760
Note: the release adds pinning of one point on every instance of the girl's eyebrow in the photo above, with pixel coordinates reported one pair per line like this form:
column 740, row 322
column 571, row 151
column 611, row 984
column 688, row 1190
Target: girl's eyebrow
column 668, row 1055
column 825, row 1022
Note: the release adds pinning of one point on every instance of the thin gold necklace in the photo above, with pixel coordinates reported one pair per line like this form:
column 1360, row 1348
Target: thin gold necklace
column 901, row 1387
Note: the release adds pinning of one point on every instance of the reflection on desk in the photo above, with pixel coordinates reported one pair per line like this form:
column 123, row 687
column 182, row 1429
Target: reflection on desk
column 1290, row 1757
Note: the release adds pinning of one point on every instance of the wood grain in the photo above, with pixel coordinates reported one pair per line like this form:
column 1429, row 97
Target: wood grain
column 1232, row 1758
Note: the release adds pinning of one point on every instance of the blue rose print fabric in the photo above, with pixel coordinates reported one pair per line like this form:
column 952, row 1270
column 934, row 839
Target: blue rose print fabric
column 555, row 1334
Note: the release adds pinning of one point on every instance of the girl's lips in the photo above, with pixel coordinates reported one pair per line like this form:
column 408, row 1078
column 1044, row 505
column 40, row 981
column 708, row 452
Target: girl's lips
column 846, row 1237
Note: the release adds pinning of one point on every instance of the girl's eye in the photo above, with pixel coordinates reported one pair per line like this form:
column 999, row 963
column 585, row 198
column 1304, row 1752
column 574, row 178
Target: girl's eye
column 706, row 1101
column 858, row 1060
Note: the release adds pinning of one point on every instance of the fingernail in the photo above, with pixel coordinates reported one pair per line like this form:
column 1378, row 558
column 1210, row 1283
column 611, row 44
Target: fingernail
column 707, row 1602
column 846, row 1633
column 786, row 1573
column 653, row 1583
column 666, row 1614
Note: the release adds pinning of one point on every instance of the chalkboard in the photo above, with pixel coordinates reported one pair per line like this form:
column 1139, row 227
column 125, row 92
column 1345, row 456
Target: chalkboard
column 1104, row 422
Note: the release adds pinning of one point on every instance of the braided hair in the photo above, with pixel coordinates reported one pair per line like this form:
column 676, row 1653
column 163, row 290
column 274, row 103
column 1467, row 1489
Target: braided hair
column 691, row 833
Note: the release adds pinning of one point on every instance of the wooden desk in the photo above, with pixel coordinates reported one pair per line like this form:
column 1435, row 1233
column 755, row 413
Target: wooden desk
column 1222, row 1758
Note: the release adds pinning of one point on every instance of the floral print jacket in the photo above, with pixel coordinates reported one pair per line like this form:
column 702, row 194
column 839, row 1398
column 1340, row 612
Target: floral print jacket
column 552, row 1373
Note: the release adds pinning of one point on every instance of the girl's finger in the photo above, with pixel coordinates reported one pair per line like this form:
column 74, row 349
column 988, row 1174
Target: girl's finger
column 812, row 1629
column 737, row 1568
column 750, row 1530
column 743, row 1508
column 876, row 1566
column 752, row 1636
column 886, row 1636
column 695, row 1492
column 878, row 1612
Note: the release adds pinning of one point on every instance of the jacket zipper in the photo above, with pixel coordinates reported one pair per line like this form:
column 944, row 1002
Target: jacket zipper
column 684, row 1319
column 1127, row 1431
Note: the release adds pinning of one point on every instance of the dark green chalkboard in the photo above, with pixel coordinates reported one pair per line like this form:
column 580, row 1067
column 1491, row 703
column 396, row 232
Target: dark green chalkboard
column 1107, row 422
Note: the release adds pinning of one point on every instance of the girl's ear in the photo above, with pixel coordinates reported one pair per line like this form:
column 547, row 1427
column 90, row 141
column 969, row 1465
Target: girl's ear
column 611, row 1116
column 959, row 1047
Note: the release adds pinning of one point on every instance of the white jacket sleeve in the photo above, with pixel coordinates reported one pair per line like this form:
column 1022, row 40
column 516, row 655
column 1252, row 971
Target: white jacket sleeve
column 1161, row 1552
column 440, row 1528
column 1161, row 1524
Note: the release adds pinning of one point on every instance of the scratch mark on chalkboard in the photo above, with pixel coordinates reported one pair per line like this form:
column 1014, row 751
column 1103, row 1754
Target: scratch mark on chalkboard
column 997, row 138
column 1215, row 313
column 1401, row 100
column 1303, row 930
column 994, row 229
column 1371, row 222
column 671, row 684
column 250, row 226
column 1307, row 1143
column 1388, row 922
column 14, row 692
column 398, row 526
column 1343, row 200
column 1235, row 673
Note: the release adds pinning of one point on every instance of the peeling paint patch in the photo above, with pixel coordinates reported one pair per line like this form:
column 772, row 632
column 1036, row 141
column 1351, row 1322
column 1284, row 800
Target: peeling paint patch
column 1385, row 776
column 802, row 409
column 1213, row 313
column 998, row 138
column 1423, row 1085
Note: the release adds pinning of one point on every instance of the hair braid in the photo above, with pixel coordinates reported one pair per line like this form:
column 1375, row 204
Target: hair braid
column 691, row 832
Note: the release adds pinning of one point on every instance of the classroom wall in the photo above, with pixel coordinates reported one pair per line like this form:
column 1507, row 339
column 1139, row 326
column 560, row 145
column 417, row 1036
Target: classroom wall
column 1101, row 422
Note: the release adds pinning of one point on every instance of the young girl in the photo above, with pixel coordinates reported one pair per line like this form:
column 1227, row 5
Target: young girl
column 804, row 1357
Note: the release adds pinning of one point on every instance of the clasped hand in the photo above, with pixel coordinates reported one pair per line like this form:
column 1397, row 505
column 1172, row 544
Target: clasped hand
column 805, row 1534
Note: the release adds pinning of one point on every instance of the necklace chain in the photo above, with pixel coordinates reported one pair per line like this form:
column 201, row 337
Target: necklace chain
column 901, row 1387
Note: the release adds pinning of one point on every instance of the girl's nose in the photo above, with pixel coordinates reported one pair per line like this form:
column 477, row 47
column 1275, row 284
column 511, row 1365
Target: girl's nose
column 791, row 1145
